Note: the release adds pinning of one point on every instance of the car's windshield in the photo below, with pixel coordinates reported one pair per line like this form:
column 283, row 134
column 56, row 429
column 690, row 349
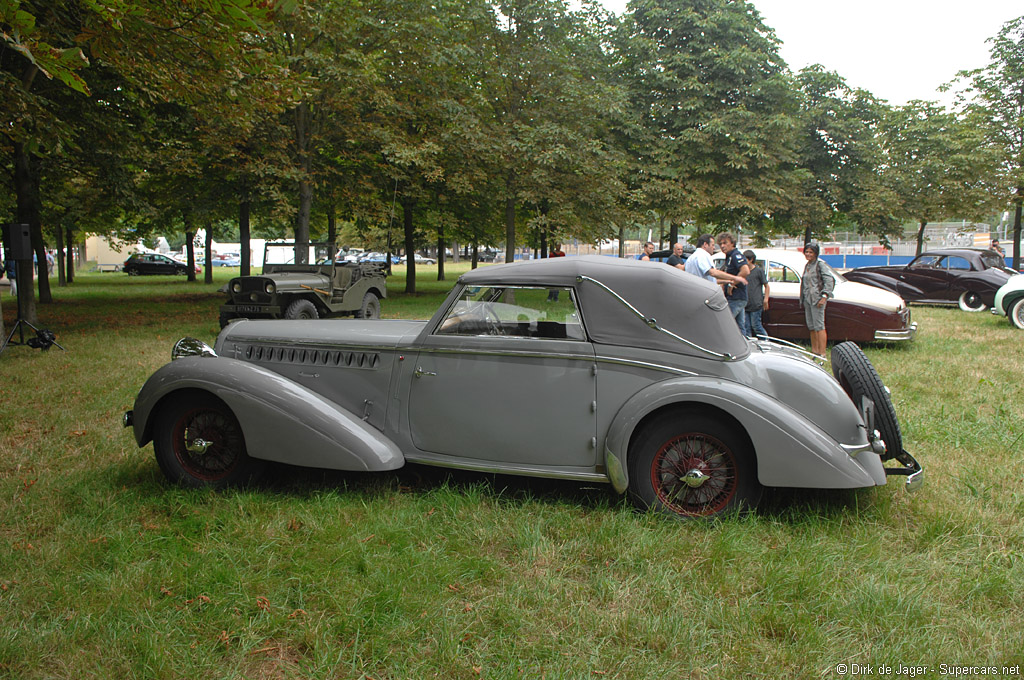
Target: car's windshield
column 992, row 260
column 518, row 311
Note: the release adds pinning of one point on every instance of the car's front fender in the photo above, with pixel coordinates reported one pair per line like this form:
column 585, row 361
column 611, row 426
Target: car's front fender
column 791, row 450
column 281, row 420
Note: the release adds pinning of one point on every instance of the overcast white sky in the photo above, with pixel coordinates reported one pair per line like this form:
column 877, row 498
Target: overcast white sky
column 897, row 49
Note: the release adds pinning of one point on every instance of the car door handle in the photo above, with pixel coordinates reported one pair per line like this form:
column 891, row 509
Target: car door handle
column 419, row 373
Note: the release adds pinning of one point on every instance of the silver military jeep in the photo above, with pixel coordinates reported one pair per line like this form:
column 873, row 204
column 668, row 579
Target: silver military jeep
column 323, row 287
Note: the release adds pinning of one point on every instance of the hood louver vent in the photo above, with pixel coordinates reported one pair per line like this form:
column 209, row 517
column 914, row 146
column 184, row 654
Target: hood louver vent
column 311, row 357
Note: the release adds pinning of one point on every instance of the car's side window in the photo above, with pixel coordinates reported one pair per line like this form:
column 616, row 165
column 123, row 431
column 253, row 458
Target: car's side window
column 924, row 261
column 515, row 311
column 957, row 263
column 780, row 273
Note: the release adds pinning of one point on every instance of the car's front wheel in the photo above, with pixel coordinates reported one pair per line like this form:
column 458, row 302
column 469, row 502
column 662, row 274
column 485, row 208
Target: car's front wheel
column 1016, row 313
column 971, row 302
column 199, row 443
column 370, row 309
column 692, row 465
column 301, row 309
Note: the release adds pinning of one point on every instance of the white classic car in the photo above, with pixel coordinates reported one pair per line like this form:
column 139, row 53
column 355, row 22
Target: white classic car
column 634, row 374
column 1009, row 300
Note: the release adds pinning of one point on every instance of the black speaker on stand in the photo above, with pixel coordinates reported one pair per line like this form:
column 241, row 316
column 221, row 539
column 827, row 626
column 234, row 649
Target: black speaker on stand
column 18, row 247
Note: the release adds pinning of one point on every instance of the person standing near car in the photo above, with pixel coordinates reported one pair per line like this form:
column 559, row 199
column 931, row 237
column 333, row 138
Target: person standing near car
column 676, row 259
column 735, row 293
column 816, row 288
column 555, row 252
column 701, row 265
column 647, row 252
column 757, row 296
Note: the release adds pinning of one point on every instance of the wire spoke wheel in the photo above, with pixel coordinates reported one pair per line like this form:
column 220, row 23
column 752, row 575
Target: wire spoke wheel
column 199, row 442
column 208, row 443
column 694, row 474
column 693, row 464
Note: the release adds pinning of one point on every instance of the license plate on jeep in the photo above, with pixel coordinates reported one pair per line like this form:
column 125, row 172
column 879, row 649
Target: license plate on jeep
column 250, row 308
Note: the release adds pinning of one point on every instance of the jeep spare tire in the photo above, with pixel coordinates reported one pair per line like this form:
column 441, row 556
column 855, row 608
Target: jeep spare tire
column 858, row 378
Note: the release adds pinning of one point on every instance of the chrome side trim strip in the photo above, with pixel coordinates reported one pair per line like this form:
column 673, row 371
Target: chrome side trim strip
column 551, row 355
column 652, row 322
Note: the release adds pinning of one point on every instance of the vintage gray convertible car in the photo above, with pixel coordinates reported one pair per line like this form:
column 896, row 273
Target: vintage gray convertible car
column 634, row 374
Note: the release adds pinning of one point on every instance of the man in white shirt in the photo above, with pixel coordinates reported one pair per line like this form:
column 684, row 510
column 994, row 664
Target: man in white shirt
column 700, row 263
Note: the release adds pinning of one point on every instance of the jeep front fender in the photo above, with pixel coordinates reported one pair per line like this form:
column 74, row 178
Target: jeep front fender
column 281, row 420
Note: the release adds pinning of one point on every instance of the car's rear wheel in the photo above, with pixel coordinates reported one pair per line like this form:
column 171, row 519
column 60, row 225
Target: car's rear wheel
column 971, row 302
column 692, row 465
column 301, row 309
column 370, row 309
column 1016, row 313
column 858, row 378
column 199, row 443
column 131, row 271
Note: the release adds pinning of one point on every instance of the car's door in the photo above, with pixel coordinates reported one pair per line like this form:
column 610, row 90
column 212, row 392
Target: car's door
column 923, row 279
column 956, row 269
column 784, row 318
column 507, row 376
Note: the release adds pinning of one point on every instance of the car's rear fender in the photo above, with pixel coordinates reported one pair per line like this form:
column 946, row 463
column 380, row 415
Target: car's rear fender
column 281, row 420
column 791, row 450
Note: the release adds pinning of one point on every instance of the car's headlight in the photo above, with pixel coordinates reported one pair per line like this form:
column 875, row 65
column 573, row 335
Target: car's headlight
column 236, row 287
column 269, row 288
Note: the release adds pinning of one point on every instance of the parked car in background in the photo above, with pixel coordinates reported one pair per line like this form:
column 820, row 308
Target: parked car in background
column 154, row 263
column 968, row 277
column 857, row 312
column 418, row 259
column 1009, row 300
column 635, row 375
column 322, row 288
column 227, row 260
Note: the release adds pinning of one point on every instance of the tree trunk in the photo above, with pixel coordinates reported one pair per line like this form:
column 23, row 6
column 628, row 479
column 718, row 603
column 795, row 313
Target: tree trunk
column 59, row 257
column 474, row 257
column 622, row 241
column 70, row 250
column 305, row 186
column 673, row 234
column 332, row 227
column 1019, row 200
column 410, row 243
column 510, row 227
column 455, row 252
column 27, row 193
column 807, row 235
column 440, row 253
column 244, row 235
column 920, row 237
column 208, row 253
column 190, row 247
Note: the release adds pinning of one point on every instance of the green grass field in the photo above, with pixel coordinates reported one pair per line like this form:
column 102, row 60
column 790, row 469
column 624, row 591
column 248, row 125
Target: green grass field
column 106, row 571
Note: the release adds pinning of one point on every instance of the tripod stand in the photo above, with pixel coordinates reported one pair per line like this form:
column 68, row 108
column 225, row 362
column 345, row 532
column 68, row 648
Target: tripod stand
column 43, row 339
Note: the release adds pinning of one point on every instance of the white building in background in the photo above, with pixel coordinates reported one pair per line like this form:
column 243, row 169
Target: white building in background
column 110, row 254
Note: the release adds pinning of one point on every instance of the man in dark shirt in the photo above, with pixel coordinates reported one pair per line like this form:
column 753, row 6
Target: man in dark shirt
column 676, row 259
column 735, row 293
column 758, row 292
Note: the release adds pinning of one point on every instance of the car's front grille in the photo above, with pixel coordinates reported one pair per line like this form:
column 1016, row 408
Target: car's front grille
column 311, row 357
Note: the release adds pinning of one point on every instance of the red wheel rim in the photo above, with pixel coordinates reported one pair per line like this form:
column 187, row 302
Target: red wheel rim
column 694, row 451
column 208, row 443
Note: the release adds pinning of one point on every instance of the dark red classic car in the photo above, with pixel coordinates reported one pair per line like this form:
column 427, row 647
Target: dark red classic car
column 856, row 312
column 969, row 277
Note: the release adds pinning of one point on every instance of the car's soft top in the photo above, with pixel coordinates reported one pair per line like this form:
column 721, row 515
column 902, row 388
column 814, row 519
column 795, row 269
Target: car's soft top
column 682, row 304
